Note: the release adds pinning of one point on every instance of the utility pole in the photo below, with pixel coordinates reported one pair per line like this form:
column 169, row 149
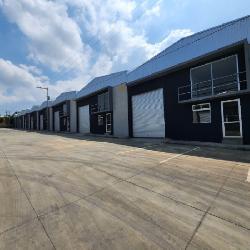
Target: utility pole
column 47, row 99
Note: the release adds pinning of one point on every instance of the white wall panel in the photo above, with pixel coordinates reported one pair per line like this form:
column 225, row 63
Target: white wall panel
column 57, row 121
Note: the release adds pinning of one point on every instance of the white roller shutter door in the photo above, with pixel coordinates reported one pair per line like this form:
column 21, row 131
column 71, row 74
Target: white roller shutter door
column 84, row 126
column 57, row 121
column 148, row 114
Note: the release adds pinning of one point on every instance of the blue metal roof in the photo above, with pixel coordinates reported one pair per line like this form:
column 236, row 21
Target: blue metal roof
column 23, row 112
column 66, row 96
column 194, row 46
column 33, row 109
column 102, row 82
column 44, row 105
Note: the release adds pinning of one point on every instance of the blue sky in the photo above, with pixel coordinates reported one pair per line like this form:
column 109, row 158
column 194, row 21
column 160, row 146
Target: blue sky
column 63, row 44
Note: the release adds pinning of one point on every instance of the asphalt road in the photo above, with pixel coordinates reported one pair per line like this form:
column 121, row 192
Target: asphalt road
column 74, row 192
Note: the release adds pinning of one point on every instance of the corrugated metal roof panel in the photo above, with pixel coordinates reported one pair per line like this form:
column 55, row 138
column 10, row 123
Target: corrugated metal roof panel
column 193, row 47
column 34, row 108
column 102, row 82
column 23, row 112
column 44, row 105
column 66, row 96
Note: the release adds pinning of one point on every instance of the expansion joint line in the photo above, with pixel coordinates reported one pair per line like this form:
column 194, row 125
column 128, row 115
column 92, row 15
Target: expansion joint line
column 209, row 207
column 26, row 195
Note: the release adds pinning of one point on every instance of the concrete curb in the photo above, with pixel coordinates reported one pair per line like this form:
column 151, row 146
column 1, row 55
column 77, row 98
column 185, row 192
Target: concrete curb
column 209, row 144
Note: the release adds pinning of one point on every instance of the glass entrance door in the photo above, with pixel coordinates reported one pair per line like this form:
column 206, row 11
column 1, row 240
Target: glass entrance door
column 231, row 118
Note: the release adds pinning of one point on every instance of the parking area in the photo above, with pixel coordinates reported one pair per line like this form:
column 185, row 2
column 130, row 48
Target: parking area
column 74, row 192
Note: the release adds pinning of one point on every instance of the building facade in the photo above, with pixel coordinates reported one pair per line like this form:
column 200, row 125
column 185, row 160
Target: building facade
column 33, row 114
column 102, row 106
column 198, row 89
column 43, row 116
column 64, row 112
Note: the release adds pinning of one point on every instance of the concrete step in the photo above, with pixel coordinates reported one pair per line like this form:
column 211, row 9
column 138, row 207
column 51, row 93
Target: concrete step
column 232, row 141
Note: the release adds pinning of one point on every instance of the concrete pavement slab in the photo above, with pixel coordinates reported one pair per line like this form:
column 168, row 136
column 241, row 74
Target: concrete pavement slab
column 28, row 236
column 215, row 233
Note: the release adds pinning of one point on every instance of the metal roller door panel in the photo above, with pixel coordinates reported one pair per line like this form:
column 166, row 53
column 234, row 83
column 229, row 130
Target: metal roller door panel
column 84, row 125
column 148, row 114
column 57, row 121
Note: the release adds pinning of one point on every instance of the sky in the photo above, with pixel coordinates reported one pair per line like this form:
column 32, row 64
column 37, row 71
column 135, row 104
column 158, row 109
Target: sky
column 63, row 44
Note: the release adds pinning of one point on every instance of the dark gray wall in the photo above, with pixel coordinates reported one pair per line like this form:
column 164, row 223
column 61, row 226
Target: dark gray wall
column 179, row 117
column 92, row 101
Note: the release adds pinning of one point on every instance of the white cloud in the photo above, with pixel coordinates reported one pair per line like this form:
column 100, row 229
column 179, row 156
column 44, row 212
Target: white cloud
column 112, row 25
column 149, row 10
column 173, row 36
column 55, row 39
column 88, row 38
column 18, row 86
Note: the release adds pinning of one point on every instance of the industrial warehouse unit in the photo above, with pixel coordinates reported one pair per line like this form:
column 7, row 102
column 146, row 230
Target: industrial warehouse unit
column 20, row 121
column 63, row 111
column 33, row 118
column 43, row 114
column 198, row 89
column 102, row 106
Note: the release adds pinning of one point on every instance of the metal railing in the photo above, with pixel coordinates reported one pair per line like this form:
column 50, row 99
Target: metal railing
column 213, row 87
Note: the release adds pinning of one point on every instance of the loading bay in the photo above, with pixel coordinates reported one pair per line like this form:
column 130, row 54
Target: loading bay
column 61, row 191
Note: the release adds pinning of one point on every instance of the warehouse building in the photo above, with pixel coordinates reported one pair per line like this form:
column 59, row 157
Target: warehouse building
column 34, row 118
column 19, row 119
column 102, row 106
column 64, row 112
column 44, row 116
column 27, row 120
column 197, row 89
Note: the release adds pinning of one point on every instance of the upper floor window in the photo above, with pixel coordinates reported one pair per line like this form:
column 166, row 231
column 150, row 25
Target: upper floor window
column 103, row 102
column 215, row 78
column 65, row 108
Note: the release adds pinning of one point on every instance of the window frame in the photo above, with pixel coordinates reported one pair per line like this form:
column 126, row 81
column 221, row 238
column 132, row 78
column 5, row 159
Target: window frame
column 201, row 110
column 103, row 102
column 211, row 69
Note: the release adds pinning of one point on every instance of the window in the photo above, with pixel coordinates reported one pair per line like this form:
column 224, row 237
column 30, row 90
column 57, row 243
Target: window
column 100, row 120
column 201, row 113
column 65, row 109
column 103, row 102
column 215, row 78
column 201, row 78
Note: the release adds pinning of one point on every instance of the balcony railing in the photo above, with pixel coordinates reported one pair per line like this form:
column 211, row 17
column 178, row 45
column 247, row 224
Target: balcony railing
column 213, row 87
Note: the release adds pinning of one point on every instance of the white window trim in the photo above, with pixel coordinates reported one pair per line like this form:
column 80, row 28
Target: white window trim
column 202, row 109
column 240, row 118
column 108, row 124
column 211, row 67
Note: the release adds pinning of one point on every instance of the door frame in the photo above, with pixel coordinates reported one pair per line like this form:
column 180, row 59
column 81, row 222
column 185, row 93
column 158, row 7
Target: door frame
column 108, row 124
column 240, row 119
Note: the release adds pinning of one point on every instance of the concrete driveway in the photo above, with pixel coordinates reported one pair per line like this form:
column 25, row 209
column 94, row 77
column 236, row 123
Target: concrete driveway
column 74, row 192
